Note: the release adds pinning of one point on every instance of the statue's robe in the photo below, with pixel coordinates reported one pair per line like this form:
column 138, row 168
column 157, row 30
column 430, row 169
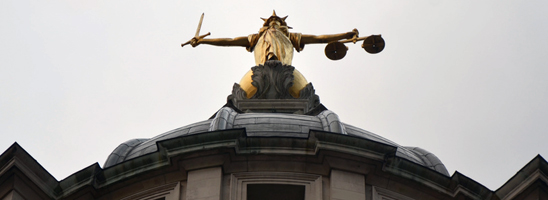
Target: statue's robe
column 273, row 42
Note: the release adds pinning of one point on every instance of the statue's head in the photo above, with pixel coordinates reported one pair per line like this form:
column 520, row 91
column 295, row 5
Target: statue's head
column 274, row 19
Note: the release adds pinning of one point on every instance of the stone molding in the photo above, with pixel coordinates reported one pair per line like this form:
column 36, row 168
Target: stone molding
column 239, row 182
column 168, row 191
column 530, row 180
column 295, row 106
column 384, row 194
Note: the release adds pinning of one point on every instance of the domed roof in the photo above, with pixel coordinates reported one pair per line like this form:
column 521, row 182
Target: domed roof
column 271, row 125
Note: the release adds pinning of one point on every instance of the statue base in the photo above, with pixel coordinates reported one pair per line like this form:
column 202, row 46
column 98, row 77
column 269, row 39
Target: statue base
column 273, row 80
column 295, row 106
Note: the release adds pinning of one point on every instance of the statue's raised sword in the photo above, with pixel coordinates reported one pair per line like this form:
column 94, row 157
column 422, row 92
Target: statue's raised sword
column 197, row 35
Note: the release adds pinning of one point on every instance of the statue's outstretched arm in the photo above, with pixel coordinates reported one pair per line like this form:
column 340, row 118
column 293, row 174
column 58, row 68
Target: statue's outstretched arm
column 238, row 41
column 312, row 39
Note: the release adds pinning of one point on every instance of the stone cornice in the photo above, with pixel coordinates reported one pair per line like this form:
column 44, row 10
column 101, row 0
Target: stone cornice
column 236, row 139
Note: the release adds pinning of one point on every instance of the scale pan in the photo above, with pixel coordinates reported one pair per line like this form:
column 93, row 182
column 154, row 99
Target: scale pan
column 335, row 50
column 373, row 44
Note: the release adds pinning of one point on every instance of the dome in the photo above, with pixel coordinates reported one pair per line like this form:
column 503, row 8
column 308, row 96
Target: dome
column 271, row 125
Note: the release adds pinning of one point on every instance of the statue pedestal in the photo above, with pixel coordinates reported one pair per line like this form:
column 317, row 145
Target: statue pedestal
column 273, row 81
column 295, row 106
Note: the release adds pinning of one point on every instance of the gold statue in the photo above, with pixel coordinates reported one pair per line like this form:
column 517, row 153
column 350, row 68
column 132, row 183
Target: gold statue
column 274, row 42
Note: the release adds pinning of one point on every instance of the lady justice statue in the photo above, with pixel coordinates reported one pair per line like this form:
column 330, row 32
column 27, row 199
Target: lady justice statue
column 275, row 42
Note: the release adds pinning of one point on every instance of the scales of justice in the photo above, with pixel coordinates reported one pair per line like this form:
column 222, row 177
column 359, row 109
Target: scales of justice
column 273, row 85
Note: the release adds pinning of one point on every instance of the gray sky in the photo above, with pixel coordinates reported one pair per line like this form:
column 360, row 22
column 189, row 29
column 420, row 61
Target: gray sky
column 465, row 80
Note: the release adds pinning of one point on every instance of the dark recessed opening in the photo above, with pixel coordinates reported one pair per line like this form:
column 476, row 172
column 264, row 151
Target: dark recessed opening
column 275, row 192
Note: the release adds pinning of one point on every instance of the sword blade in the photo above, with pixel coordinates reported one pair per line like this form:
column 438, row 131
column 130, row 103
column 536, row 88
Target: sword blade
column 199, row 25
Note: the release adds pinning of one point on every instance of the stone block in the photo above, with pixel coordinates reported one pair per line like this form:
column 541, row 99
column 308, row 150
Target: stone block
column 347, row 185
column 204, row 184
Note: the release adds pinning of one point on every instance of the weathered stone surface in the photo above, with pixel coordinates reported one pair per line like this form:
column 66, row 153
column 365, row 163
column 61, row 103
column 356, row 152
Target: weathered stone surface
column 347, row 185
column 204, row 184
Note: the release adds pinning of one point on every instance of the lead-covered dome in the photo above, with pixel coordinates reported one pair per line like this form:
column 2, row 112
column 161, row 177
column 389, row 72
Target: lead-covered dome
column 271, row 125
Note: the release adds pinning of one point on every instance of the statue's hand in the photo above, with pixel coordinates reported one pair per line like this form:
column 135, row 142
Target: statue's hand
column 195, row 41
column 355, row 35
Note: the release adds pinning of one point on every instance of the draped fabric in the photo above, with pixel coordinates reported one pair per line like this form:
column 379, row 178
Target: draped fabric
column 272, row 43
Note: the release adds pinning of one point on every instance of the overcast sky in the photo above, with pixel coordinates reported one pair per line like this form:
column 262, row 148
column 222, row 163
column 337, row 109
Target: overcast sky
column 465, row 80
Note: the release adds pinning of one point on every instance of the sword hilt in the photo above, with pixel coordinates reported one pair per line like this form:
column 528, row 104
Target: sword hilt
column 198, row 38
